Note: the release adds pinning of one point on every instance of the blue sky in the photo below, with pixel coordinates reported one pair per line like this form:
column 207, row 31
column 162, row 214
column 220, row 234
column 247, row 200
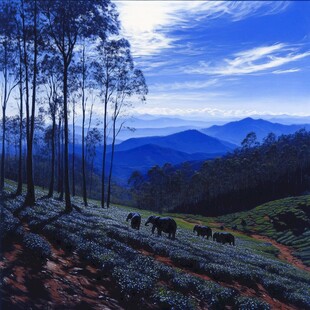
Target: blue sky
column 229, row 59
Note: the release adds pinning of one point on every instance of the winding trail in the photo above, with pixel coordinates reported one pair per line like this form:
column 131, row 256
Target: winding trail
column 286, row 253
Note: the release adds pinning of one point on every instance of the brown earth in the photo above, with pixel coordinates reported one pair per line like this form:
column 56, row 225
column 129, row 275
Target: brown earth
column 286, row 253
column 258, row 292
column 63, row 282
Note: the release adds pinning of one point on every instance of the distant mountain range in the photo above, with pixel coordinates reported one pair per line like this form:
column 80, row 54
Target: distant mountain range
column 161, row 126
column 189, row 141
column 144, row 157
column 192, row 146
column 143, row 153
column 235, row 132
column 126, row 134
column 162, row 122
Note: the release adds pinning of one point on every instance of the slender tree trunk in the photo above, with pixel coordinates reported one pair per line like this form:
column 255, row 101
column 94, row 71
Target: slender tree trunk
column 73, row 152
column 91, row 176
column 83, row 158
column 30, row 196
column 3, row 148
column 111, row 165
column 59, row 173
column 20, row 159
column 21, row 97
column 4, row 118
column 66, row 130
column 51, row 185
column 61, row 196
column 26, row 65
column 83, row 129
column 104, row 146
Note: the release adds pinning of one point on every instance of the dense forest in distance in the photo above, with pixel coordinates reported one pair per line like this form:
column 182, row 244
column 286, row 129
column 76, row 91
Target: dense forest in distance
column 252, row 174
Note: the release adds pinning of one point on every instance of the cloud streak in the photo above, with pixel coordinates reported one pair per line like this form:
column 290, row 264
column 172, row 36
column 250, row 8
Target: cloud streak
column 189, row 85
column 148, row 24
column 252, row 61
column 286, row 71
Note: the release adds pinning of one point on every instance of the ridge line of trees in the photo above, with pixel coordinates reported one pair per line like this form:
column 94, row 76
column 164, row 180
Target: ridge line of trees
column 253, row 174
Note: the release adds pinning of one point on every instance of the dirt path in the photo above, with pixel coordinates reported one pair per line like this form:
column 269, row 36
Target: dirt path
column 62, row 282
column 258, row 292
column 286, row 253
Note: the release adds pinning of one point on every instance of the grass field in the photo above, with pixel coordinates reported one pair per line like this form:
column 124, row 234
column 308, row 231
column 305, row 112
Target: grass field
column 286, row 220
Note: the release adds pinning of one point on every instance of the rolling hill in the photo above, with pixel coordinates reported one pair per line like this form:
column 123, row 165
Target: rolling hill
column 146, row 156
column 141, row 154
column 285, row 220
column 189, row 141
column 235, row 132
column 126, row 134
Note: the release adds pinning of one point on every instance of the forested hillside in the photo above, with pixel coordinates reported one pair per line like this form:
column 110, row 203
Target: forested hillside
column 253, row 174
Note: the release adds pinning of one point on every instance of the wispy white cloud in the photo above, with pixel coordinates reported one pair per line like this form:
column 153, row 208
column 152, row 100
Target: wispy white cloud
column 252, row 61
column 147, row 24
column 286, row 71
column 188, row 85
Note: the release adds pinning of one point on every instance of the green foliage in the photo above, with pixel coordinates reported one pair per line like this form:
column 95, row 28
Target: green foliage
column 168, row 299
column 247, row 303
column 37, row 248
column 251, row 175
column 285, row 220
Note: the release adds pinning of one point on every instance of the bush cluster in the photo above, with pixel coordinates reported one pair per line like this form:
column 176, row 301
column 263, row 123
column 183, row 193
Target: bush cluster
column 36, row 247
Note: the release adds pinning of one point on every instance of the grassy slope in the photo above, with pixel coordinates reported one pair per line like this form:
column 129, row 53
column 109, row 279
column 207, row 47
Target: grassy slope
column 286, row 220
column 104, row 238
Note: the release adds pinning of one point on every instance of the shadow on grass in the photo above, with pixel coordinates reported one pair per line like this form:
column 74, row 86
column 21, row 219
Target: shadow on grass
column 40, row 226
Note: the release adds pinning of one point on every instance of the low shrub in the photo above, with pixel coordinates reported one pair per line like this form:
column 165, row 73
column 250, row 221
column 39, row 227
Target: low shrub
column 249, row 303
column 168, row 299
column 10, row 226
column 133, row 284
column 37, row 249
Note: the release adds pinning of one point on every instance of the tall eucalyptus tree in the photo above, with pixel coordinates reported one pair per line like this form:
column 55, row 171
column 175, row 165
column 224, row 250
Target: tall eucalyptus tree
column 118, row 80
column 69, row 22
column 129, row 82
column 51, row 78
column 7, row 64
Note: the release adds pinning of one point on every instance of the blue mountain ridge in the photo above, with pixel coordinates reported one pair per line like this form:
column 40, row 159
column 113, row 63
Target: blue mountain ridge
column 189, row 141
column 235, row 132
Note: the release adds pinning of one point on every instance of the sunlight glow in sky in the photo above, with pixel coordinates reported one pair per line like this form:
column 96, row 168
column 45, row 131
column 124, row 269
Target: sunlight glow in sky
column 221, row 58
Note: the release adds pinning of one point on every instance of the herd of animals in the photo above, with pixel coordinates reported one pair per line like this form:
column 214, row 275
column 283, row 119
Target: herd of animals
column 169, row 226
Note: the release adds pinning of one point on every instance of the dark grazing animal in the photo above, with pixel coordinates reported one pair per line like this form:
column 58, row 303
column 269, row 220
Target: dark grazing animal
column 224, row 237
column 135, row 220
column 203, row 231
column 165, row 224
